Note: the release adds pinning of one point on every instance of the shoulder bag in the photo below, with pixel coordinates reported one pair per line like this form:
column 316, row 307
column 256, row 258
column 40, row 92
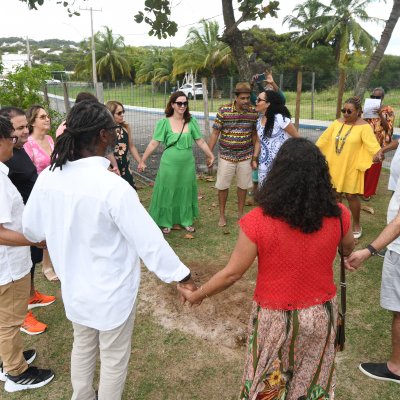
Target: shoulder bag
column 177, row 140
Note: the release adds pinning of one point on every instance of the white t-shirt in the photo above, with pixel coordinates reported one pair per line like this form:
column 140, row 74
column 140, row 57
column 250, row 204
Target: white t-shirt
column 96, row 229
column 15, row 261
column 393, row 210
column 394, row 170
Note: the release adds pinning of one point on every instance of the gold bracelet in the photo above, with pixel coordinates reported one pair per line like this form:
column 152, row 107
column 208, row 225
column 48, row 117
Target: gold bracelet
column 202, row 290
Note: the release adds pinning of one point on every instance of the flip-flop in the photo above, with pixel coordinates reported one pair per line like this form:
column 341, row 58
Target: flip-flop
column 166, row 231
column 357, row 234
column 50, row 274
column 190, row 229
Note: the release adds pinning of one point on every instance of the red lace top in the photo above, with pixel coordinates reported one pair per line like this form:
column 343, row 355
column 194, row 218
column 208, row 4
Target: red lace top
column 294, row 268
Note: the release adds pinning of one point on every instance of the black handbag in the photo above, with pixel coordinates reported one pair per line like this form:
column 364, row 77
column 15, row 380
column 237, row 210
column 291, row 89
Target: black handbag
column 341, row 320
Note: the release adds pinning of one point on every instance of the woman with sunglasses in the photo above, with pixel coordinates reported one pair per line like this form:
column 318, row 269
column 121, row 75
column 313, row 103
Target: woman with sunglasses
column 124, row 142
column 39, row 147
column 174, row 200
column 350, row 148
column 274, row 128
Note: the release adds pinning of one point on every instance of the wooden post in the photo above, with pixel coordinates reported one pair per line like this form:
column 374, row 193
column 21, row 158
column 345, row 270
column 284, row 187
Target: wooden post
column 45, row 94
column 66, row 98
column 312, row 94
column 100, row 92
column 298, row 95
column 165, row 92
column 281, row 81
column 152, row 94
column 212, row 94
column 231, row 89
column 206, row 111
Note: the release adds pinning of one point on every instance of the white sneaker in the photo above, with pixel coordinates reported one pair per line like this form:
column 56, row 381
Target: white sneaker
column 29, row 356
column 32, row 378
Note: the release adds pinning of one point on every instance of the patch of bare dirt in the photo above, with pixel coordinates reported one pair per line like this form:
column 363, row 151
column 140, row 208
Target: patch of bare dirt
column 221, row 319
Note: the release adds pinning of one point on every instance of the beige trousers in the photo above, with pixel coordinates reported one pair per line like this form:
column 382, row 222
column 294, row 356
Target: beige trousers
column 115, row 350
column 14, row 298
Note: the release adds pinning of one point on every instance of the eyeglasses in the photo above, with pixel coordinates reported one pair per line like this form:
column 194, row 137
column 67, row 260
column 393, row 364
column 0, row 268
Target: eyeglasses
column 182, row 103
column 14, row 139
column 347, row 111
column 120, row 113
column 260, row 99
column 375, row 97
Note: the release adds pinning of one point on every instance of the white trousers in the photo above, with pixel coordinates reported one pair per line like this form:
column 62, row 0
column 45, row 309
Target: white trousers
column 115, row 349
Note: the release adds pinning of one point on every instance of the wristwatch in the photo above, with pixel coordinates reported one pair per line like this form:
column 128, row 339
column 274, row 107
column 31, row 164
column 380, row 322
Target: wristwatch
column 372, row 250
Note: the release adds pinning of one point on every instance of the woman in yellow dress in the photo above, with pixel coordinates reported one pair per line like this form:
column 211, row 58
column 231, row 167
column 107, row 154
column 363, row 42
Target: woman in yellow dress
column 350, row 147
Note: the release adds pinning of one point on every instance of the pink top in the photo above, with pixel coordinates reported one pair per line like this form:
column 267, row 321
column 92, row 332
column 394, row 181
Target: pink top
column 37, row 154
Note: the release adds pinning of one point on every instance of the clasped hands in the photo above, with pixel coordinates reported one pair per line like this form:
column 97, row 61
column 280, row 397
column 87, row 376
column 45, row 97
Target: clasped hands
column 186, row 291
column 355, row 259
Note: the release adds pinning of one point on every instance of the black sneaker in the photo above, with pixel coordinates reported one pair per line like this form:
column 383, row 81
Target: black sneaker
column 29, row 356
column 32, row 378
column 379, row 371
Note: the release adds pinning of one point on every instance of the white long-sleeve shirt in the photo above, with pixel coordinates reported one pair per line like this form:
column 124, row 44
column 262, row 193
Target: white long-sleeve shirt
column 96, row 230
column 15, row 261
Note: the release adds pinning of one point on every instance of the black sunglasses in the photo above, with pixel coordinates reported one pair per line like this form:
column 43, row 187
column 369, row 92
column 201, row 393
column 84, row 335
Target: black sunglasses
column 260, row 99
column 181, row 103
column 347, row 111
column 120, row 112
column 375, row 97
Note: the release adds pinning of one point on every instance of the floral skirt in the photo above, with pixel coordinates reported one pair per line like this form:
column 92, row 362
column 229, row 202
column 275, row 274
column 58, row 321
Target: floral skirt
column 291, row 354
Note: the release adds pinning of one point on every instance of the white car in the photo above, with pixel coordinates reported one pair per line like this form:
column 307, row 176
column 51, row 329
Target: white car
column 191, row 92
column 53, row 81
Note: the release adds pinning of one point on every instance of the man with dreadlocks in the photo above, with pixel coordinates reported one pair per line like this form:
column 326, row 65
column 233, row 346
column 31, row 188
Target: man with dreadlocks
column 96, row 231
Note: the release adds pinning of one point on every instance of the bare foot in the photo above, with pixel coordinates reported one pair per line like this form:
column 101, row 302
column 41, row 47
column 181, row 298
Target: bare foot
column 222, row 221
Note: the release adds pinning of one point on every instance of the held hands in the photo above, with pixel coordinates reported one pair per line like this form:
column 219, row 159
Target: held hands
column 186, row 291
column 115, row 170
column 355, row 259
column 141, row 166
column 378, row 157
column 41, row 245
column 254, row 164
column 210, row 161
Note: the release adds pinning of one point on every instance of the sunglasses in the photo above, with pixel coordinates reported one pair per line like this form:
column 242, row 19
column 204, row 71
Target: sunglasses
column 260, row 99
column 44, row 116
column 120, row 113
column 14, row 139
column 375, row 97
column 347, row 111
column 182, row 103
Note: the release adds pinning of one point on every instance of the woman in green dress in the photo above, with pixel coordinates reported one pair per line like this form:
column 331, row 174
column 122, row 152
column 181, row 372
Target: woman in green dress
column 124, row 142
column 174, row 200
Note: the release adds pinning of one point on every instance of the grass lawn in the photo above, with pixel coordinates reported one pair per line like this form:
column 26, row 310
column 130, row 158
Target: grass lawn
column 188, row 362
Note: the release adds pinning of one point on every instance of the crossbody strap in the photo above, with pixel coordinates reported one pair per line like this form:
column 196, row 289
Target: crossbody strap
column 342, row 272
column 177, row 140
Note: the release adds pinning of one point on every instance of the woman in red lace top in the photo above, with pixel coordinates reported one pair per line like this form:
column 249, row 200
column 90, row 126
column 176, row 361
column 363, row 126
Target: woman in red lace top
column 295, row 232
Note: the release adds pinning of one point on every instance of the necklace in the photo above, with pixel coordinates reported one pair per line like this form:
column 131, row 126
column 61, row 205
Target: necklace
column 340, row 141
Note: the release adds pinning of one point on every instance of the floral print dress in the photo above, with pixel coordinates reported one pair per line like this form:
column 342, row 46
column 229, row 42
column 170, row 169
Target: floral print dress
column 121, row 155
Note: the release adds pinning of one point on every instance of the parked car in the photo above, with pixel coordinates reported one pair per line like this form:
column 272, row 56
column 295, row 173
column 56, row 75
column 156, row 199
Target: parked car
column 53, row 81
column 190, row 92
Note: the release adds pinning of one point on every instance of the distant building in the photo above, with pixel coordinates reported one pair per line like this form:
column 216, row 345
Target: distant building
column 11, row 61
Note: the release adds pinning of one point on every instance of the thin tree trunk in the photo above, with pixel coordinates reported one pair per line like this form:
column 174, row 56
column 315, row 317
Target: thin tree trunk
column 379, row 51
column 342, row 80
column 234, row 39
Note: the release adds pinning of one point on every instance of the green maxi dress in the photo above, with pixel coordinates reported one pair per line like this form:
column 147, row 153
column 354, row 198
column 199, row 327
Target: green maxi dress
column 174, row 199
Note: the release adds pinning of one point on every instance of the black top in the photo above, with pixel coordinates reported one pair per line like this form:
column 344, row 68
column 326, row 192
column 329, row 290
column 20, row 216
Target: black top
column 22, row 173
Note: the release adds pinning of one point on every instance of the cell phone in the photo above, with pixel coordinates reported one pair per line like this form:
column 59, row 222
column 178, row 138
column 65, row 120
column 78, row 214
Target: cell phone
column 260, row 77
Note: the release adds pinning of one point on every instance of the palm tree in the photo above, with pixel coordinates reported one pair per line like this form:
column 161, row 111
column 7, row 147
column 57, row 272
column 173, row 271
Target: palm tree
column 111, row 61
column 156, row 66
column 110, row 55
column 380, row 49
column 203, row 50
column 338, row 26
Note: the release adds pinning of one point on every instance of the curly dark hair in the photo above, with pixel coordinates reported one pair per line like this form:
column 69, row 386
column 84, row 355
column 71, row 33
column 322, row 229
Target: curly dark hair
column 276, row 106
column 298, row 189
column 356, row 101
column 169, row 110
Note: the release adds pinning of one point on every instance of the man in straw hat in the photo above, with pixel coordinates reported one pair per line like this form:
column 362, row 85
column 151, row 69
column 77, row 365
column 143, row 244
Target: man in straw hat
column 235, row 127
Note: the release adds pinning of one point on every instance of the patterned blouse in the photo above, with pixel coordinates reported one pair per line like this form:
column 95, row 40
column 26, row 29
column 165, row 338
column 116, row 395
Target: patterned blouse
column 382, row 136
column 37, row 154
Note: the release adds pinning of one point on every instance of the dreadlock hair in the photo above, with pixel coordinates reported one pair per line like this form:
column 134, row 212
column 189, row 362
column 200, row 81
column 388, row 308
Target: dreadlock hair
column 356, row 101
column 11, row 112
column 83, row 125
column 85, row 96
column 276, row 106
column 6, row 128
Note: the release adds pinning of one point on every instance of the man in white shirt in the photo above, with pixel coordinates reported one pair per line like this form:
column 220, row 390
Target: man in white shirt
column 15, row 266
column 96, row 231
column 390, row 286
